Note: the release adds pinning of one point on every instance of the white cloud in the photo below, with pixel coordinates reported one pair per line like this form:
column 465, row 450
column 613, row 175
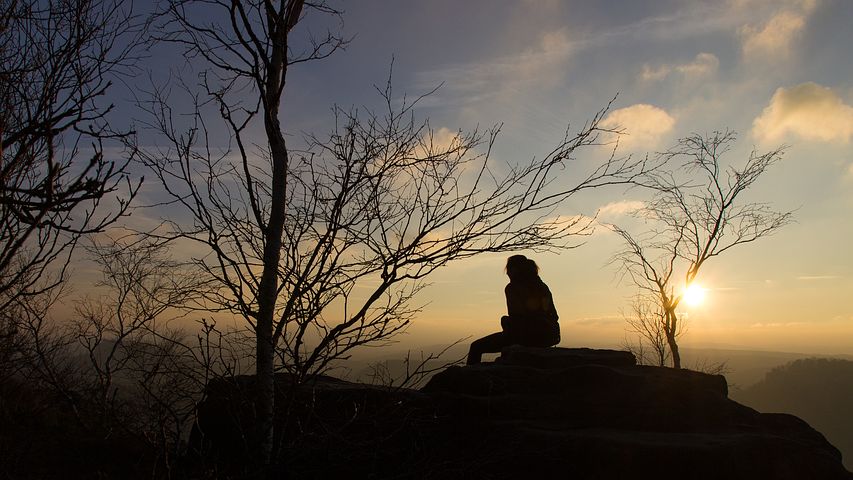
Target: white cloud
column 811, row 278
column 644, row 125
column 703, row 65
column 808, row 111
column 653, row 74
column 438, row 141
column 774, row 38
column 616, row 209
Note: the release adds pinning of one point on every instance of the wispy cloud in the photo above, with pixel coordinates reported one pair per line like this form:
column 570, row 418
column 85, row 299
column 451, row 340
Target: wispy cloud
column 777, row 324
column 539, row 65
column 811, row 278
column 744, row 5
column 603, row 321
column 703, row 65
column 774, row 39
column 809, row 111
column 618, row 209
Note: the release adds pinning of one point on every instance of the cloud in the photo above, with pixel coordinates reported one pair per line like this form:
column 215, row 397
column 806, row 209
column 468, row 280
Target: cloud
column 654, row 74
column 537, row 66
column 602, row 321
column 617, row 209
column 777, row 324
column 644, row 125
column 806, row 6
column 811, row 278
column 775, row 38
column 703, row 65
column 809, row 111
column 438, row 141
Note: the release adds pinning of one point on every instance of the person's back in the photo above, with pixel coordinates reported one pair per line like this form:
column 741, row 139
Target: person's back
column 532, row 317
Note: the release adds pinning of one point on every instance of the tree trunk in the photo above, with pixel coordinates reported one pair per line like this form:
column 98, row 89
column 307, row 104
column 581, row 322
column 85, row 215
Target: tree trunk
column 670, row 339
column 280, row 25
column 268, row 290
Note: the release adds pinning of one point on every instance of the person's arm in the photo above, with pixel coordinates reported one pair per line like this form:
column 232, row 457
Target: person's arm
column 514, row 302
column 550, row 309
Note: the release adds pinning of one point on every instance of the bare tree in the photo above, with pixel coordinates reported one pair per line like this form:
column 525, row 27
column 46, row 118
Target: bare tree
column 646, row 322
column 121, row 364
column 56, row 63
column 698, row 213
column 247, row 46
column 36, row 348
column 127, row 326
column 322, row 249
column 143, row 374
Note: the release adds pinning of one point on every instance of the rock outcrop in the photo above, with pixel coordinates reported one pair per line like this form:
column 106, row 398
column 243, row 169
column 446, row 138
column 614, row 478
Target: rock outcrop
column 576, row 413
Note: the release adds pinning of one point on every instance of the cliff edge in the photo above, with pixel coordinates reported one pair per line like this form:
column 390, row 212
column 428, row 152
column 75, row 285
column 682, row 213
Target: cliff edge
column 576, row 413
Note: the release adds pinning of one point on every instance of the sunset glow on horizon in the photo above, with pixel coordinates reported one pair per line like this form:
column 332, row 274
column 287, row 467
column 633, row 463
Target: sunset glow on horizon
column 777, row 72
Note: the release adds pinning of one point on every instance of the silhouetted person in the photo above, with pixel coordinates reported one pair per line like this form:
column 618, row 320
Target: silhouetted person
column 531, row 319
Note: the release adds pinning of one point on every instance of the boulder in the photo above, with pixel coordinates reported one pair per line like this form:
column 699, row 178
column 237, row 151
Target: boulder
column 576, row 413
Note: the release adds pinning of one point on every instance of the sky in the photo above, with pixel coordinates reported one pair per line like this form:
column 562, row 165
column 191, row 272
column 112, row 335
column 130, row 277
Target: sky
column 778, row 72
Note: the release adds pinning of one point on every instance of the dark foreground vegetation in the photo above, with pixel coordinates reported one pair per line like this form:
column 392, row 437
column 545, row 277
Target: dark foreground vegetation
column 577, row 413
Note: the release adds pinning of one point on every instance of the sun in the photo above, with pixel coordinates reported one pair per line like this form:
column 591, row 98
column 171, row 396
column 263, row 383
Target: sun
column 694, row 295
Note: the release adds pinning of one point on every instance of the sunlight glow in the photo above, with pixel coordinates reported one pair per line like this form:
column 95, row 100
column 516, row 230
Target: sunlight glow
column 694, row 295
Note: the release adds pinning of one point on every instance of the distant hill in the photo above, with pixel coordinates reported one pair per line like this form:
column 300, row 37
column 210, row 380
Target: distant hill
column 743, row 367
column 818, row 390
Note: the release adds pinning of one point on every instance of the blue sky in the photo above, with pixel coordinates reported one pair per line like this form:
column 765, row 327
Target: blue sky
column 776, row 71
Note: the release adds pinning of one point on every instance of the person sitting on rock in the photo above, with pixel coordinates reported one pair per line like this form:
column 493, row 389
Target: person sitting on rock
column 531, row 318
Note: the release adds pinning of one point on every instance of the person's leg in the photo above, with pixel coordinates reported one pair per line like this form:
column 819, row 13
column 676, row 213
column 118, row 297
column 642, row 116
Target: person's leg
column 488, row 344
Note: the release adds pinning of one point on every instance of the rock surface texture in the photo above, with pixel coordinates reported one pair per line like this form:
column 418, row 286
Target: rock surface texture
column 567, row 413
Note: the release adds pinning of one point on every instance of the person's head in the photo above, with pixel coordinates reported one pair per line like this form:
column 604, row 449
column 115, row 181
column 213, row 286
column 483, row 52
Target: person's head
column 521, row 268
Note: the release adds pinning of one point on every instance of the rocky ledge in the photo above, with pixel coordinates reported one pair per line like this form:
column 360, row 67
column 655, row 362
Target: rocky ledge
column 576, row 413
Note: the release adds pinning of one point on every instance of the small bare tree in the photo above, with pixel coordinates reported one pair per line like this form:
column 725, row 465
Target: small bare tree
column 121, row 364
column 646, row 322
column 126, row 329
column 698, row 213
